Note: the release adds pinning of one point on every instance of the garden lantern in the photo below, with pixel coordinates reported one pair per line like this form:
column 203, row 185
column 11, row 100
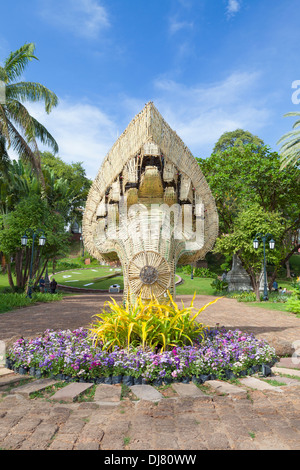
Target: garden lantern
column 42, row 240
column 24, row 240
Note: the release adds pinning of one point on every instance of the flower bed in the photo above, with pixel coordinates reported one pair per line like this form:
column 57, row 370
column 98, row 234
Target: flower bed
column 71, row 356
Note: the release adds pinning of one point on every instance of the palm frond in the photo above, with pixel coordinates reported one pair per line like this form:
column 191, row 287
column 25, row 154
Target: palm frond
column 28, row 152
column 288, row 135
column 4, row 158
column 33, row 92
column 32, row 128
column 4, row 125
column 17, row 61
column 44, row 135
column 290, row 148
column 3, row 75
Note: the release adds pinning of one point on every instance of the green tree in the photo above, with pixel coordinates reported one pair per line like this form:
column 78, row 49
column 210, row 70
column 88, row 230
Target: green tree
column 238, row 138
column 252, row 176
column 35, row 213
column 4, row 158
column 78, row 184
column 290, row 149
column 247, row 225
column 19, row 129
column 17, row 182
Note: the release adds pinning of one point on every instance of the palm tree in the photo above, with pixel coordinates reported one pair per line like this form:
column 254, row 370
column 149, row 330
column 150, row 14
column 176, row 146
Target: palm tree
column 290, row 150
column 19, row 129
column 4, row 158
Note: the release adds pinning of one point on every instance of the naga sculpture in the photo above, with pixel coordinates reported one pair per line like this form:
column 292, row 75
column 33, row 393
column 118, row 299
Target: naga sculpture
column 149, row 207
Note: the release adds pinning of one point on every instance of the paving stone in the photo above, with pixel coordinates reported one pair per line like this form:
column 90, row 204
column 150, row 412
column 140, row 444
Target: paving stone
column 71, row 391
column 41, row 437
column 286, row 371
column 257, row 384
column 27, row 425
column 146, row 392
column 286, row 380
column 32, row 387
column 188, row 390
column 87, row 446
column 5, row 372
column 289, row 362
column 108, row 393
column 58, row 444
column 8, row 380
column 226, row 388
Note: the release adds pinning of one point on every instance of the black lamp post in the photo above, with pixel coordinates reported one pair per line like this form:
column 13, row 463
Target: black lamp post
column 272, row 246
column 24, row 241
column 192, row 271
column 81, row 239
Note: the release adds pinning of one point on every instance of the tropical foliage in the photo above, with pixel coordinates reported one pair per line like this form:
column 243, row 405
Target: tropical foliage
column 147, row 324
column 74, row 191
column 290, row 143
column 238, row 139
column 18, row 129
column 293, row 302
column 249, row 177
column 248, row 224
column 34, row 213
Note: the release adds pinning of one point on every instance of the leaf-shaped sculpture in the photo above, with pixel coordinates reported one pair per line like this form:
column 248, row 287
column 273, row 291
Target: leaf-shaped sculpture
column 150, row 207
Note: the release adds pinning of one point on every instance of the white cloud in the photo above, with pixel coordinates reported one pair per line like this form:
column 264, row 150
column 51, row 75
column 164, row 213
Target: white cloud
column 176, row 25
column 86, row 18
column 83, row 132
column 201, row 114
column 233, row 7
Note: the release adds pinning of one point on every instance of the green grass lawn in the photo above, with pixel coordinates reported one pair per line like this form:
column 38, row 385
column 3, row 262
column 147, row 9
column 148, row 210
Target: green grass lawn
column 280, row 307
column 4, row 281
column 89, row 278
column 202, row 286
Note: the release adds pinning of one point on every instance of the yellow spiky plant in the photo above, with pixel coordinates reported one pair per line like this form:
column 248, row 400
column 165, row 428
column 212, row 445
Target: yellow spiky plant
column 147, row 324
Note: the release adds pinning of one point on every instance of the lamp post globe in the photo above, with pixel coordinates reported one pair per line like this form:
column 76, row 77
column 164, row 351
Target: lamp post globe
column 24, row 240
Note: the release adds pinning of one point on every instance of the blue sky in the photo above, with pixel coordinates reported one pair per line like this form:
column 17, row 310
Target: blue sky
column 209, row 66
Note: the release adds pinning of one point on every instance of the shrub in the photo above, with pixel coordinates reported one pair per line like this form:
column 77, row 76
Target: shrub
column 12, row 301
column 147, row 324
column 244, row 296
column 199, row 272
column 66, row 265
column 293, row 304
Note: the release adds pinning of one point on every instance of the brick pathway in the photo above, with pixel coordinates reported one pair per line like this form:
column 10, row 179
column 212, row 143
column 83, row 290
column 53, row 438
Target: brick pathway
column 76, row 311
column 256, row 420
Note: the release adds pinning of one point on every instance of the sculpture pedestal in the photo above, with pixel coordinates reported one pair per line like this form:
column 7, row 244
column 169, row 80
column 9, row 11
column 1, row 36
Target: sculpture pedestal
column 238, row 279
